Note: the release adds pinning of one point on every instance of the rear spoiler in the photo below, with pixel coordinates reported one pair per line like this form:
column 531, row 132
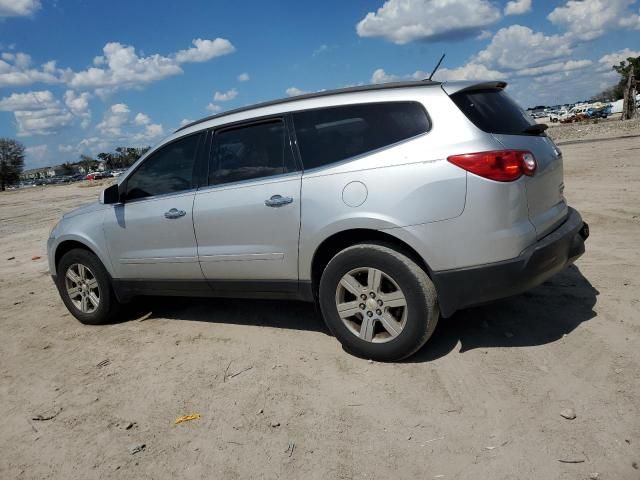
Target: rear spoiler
column 454, row 87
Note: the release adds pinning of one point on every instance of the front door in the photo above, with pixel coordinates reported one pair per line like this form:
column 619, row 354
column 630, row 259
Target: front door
column 150, row 235
column 247, row 221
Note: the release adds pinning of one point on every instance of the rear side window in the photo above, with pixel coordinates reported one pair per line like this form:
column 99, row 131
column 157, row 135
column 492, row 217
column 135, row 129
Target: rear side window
column 493, row 111
column 328, row 135
column 251, row 152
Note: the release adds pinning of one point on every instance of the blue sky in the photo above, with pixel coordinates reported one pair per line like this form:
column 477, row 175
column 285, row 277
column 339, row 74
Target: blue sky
column 81, row 76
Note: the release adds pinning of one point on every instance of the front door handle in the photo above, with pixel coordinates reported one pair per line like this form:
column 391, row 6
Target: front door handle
column 278, row 201
column 174, row 213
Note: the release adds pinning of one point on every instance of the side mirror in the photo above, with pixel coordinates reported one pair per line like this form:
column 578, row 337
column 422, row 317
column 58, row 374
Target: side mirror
column 110, row 195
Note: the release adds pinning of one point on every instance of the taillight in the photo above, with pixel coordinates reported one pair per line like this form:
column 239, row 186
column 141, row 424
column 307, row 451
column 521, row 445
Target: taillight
column 499, row 165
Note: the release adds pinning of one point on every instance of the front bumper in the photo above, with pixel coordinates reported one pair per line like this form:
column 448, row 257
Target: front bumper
column 465, row 287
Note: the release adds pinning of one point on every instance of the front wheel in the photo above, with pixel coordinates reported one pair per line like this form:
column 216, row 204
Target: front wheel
column 378, row 302
column 85, row 288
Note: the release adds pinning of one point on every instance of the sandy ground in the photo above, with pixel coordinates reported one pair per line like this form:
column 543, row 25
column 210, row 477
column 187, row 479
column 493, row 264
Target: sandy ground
column 278, row 398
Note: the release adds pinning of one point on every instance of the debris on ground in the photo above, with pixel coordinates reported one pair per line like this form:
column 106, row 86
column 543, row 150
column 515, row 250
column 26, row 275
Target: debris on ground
column 45, row 417
column 594, row 476
column 261, row 411
column 572, row 460
column 133, row 449
column 275, row 424
column 290, row 449
column 36, row 257
column 187, row 418
column 241, row 371
column 568, row 413
column 11, row 258
column 129, row 425
column 103, row 363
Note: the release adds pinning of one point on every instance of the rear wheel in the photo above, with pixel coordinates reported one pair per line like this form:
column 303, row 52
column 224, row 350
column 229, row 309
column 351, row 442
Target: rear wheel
column 378, row 302
column 85, row 288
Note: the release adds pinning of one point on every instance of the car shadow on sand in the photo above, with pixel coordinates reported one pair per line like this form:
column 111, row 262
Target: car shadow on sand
column 540, row 316
column 537, row 317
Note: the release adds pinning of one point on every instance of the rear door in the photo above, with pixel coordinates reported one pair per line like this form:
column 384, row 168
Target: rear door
column 247, row 220
column 494, row 112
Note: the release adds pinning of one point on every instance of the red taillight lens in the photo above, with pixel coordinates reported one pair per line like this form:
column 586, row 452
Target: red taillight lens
column 498, row 165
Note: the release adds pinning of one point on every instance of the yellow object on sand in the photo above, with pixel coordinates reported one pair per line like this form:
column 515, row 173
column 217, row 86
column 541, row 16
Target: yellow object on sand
column 186, row 418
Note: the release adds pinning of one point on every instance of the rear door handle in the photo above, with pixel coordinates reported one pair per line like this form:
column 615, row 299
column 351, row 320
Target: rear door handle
column 174, row 213
column 278, row 201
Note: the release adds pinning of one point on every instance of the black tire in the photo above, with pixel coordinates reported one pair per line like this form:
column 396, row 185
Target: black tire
column 108, row 305
column 419, row 292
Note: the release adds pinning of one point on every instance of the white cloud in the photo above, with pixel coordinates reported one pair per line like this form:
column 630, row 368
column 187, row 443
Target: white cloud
column 78, row 104
column 36, row 155
column 16, row 70
column 517, row 7
column 142, row 119
column 66, row 148
column 614, row 58
column 18, row 8
column 204, row 50
column 589, row 19
column 114, row 119
column 294, row 91
column 117, row 126
column 185, row 121
column 225, row 96
column 125, row 69
column 213, row 108
column 320, row 50
column 122, row 67
column 36, row 113
column 517, row 47
column 470, row 71
column 404, row 21
column 243, row 77
column 555, row 68
column 484, row 34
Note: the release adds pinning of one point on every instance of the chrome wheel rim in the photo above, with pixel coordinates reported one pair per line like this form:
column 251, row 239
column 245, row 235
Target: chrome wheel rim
column 371, row 305
column 82, row 288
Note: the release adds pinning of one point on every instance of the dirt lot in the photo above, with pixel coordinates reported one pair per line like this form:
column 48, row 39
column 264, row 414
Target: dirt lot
column 277, row 396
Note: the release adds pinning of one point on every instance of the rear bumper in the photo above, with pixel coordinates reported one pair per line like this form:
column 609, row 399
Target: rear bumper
column 461, row 288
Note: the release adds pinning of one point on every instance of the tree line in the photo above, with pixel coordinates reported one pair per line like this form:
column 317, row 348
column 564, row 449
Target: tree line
column 122, row 157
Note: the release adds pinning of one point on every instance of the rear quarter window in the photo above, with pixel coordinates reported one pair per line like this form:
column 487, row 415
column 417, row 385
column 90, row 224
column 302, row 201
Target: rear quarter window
column 329, row 135
column 493, row 111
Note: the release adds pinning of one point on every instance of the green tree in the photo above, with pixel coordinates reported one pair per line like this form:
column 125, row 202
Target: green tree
column 68, row 168
column 624, row 68
column 87, row 163
column 11, row 162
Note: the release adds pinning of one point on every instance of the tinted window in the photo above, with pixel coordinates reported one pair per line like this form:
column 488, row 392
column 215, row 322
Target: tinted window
column 329, row 135
column 493, row 111
column 168, row 170
column 254, row 151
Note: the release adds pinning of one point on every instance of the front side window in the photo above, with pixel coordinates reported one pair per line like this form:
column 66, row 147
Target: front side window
column 167, row 170
column 328, row 135
column 251, row 152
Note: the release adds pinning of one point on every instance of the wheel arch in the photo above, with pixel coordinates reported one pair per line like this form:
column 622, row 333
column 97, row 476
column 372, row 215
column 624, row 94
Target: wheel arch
column 346, row 238
column 73, row 242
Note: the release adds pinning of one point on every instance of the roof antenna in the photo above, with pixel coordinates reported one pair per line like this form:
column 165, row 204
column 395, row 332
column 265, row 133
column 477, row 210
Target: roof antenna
column 435, row 69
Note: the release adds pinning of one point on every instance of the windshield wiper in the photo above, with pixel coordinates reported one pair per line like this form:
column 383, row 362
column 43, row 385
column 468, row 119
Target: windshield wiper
column 536, row 129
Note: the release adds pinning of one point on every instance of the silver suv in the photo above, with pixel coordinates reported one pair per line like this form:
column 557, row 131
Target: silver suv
column 388, row 205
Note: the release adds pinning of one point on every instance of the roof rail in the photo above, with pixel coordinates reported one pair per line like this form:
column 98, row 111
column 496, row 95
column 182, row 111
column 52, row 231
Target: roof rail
column 323, row 93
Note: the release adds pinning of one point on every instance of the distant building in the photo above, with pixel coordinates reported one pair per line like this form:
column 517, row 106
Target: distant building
column 48, row 172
